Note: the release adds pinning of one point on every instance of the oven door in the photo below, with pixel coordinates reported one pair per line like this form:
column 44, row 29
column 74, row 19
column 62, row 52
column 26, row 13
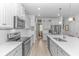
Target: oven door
column 27, row 45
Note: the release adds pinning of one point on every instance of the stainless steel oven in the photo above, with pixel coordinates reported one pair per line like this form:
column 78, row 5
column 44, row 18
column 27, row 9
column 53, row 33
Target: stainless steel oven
column 26, row 47
column 26, row 42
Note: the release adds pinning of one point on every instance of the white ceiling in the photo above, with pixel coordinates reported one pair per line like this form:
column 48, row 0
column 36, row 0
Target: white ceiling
column 52, row 9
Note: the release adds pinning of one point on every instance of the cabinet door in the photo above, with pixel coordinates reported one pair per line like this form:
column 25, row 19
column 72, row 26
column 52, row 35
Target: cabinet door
column 27, row 45
column 8, row 11
column 32, row 20
column 21, row 11
column 61, row 52
column 53, row 48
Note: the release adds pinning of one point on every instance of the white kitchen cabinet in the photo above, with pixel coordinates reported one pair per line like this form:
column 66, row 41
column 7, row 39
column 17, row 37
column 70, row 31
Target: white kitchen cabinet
column 28, row 21
column 32, row 19
column 21, row 11
column 16, row 52
column 7, row 13
column 60, row 52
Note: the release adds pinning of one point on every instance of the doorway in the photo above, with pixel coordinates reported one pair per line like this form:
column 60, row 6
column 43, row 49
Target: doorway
column 39, row 29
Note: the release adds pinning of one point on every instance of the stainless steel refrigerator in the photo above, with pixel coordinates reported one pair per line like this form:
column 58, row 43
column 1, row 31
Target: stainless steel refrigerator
column 55, row 29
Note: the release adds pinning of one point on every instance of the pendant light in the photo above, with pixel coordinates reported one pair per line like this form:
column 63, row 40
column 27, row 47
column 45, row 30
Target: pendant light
column 59, row 15
column 59, row 12
column 70, row 18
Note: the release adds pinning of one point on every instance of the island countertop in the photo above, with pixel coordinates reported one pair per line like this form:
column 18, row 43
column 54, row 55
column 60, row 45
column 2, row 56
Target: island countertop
column 71, row 46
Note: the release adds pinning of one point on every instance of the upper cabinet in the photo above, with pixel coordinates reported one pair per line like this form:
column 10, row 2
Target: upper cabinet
column 21, row 11
column 7, row 13
column 32, row 17
column 31, row 22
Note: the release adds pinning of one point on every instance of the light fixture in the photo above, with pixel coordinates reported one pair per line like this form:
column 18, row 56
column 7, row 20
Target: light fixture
column 59, row 12
column 59, row 15
column 38, row 8
column 60, row 22
column 71, row 19
column 39, row 15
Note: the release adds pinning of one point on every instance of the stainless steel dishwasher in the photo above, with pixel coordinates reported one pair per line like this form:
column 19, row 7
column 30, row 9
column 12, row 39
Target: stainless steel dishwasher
column 26, row 47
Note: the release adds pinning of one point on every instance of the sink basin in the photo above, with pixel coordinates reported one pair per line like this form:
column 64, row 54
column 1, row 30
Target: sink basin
column 60, row 40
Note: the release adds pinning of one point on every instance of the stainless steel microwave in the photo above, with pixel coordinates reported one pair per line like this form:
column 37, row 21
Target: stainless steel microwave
column 18, row 23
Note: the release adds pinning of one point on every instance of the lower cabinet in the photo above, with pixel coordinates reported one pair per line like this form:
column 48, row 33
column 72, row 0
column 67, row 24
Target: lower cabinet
column 61, row 52
column 54, row 49
column 16, row 52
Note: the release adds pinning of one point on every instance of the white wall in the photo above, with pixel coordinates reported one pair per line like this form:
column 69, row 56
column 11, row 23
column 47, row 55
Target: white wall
column 73, row 27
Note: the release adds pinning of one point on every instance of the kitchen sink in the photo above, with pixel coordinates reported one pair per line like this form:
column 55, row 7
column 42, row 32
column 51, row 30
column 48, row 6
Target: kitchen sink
column 60, row 40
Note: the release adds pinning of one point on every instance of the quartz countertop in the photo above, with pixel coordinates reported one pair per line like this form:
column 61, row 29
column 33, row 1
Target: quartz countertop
column 7, row 47
column 27, row 35
column 71, row 46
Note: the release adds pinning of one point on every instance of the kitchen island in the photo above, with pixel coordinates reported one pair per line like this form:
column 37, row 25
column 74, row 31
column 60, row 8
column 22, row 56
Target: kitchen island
column 59, row 48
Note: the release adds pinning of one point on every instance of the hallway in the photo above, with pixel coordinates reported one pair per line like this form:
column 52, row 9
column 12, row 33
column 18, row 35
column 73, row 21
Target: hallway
column 40, row 48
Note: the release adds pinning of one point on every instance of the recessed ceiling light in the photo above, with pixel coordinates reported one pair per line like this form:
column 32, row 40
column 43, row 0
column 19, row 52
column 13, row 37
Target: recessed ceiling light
column 58, row 14
column 38, row 8
column 39, row 15
column 60, row 22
